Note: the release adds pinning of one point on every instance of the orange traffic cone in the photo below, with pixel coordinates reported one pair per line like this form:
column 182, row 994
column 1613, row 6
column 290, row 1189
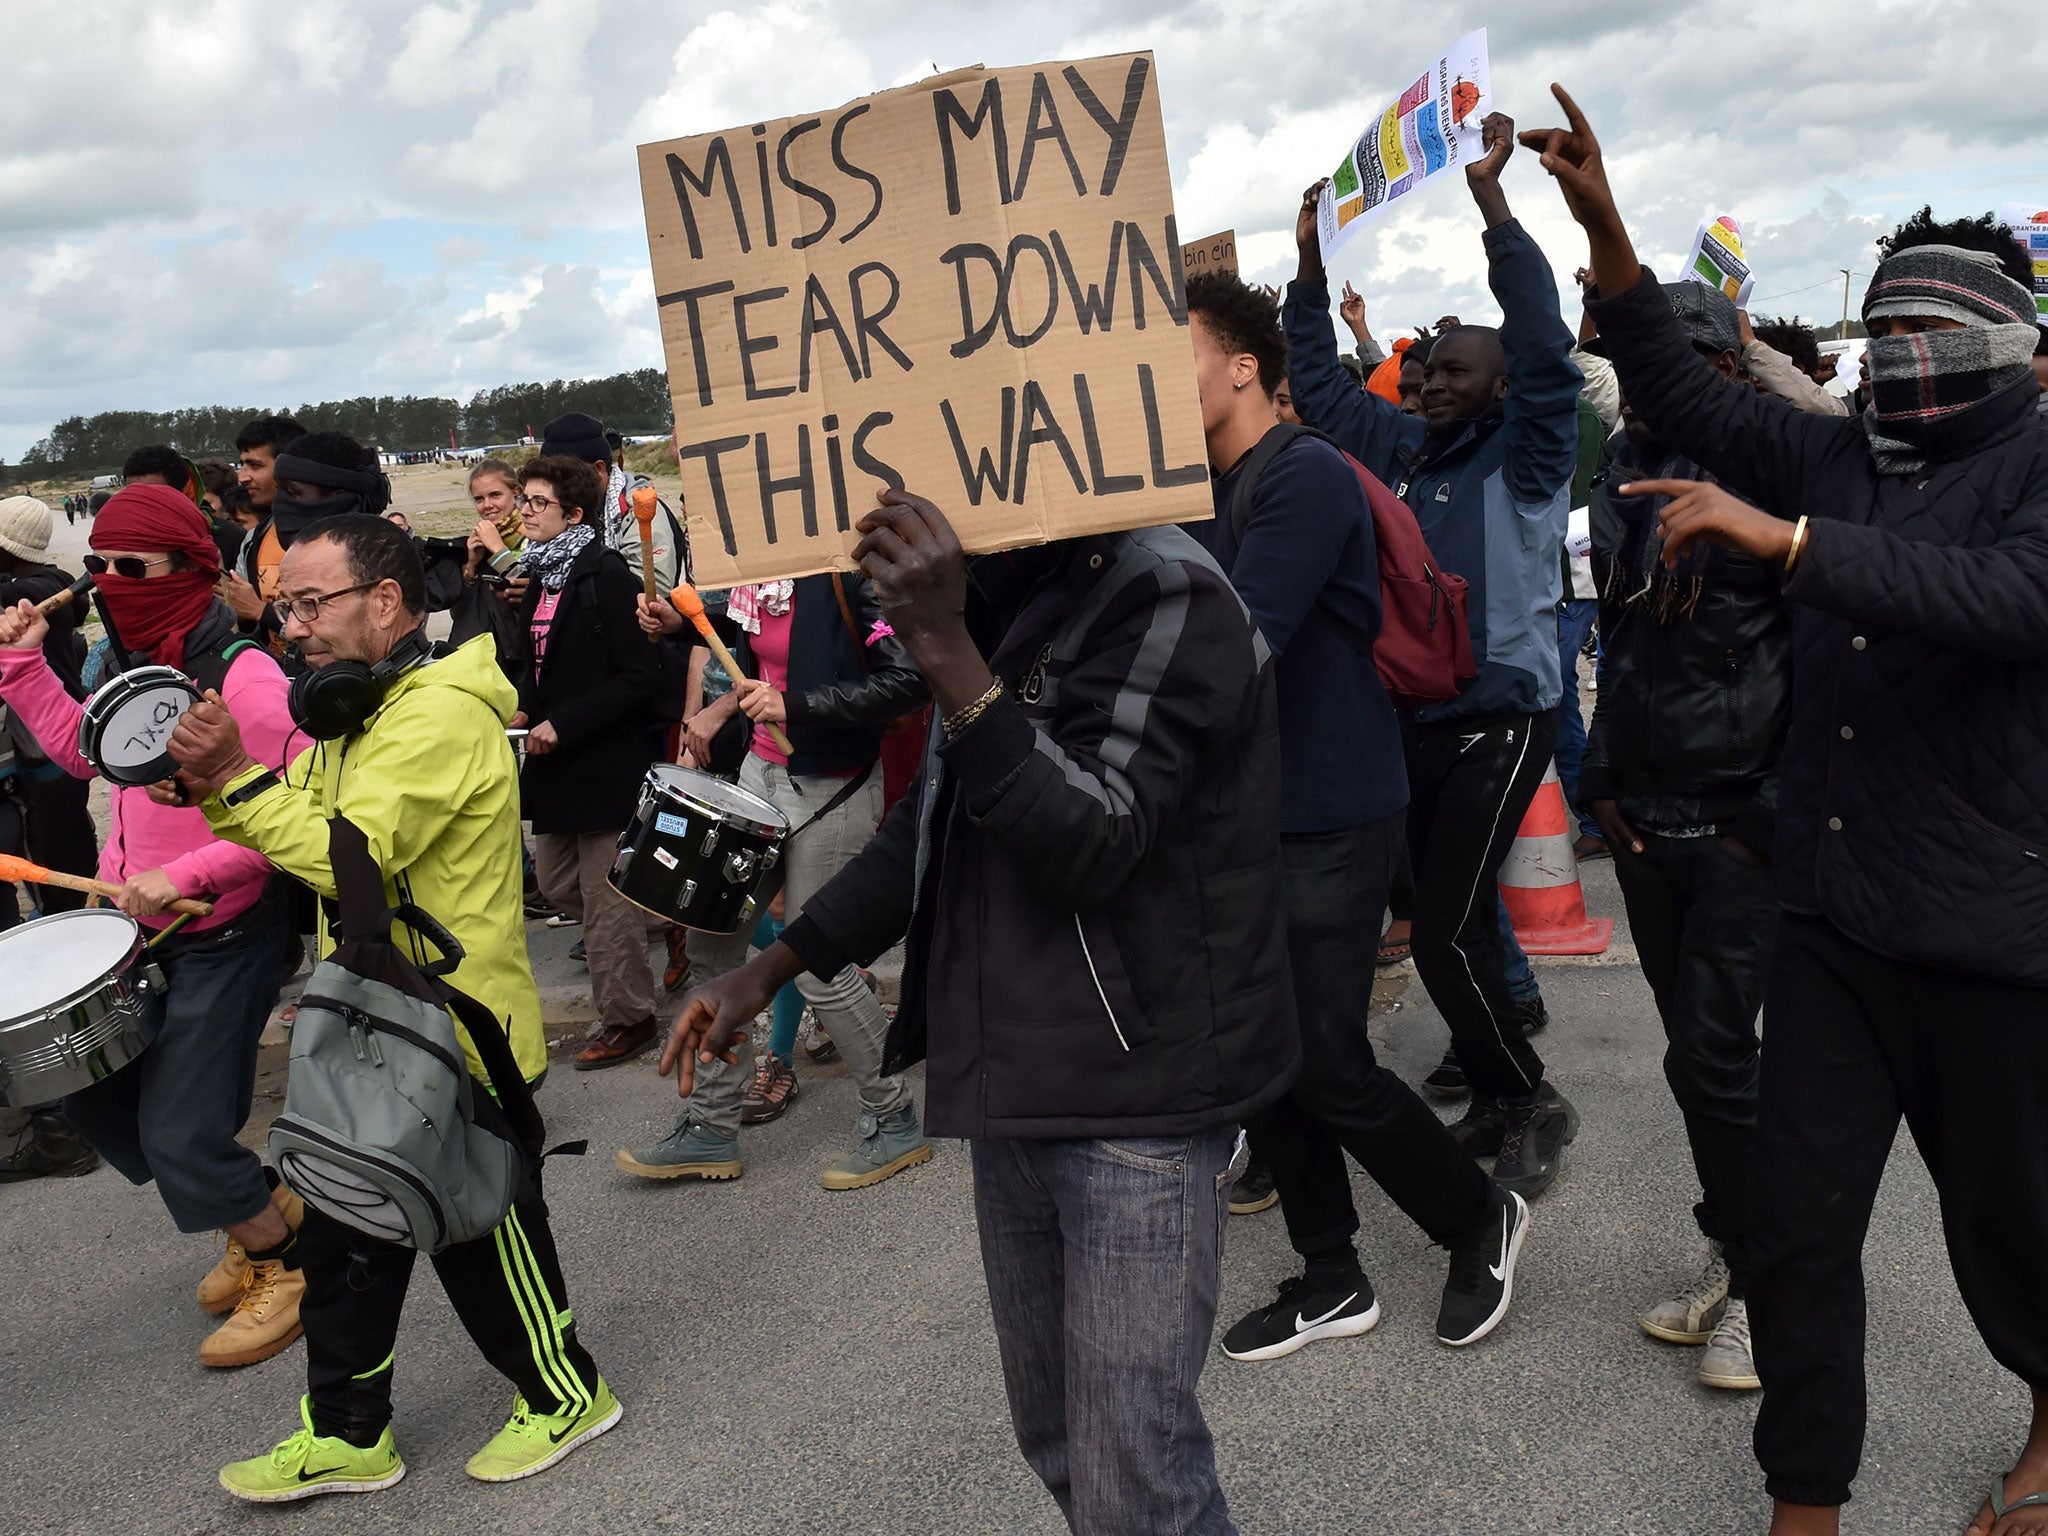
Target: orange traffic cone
column 1539, row 881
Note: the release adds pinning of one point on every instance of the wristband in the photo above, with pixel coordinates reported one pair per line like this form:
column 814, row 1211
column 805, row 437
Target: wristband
column 952, row 725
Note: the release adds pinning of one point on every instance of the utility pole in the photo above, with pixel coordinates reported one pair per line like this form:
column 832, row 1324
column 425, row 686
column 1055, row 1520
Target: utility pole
column 1845, row 302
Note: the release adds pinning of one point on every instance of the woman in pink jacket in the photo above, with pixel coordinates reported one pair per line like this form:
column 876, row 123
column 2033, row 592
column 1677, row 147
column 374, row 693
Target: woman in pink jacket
column 173, row 1115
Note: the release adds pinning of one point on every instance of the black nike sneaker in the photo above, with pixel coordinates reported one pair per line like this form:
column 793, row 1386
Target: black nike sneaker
column 1482, row 1278
column 1339, row 1305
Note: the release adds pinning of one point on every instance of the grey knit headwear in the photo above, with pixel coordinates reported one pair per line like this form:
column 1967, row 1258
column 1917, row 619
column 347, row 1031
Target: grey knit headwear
column 1921, row 381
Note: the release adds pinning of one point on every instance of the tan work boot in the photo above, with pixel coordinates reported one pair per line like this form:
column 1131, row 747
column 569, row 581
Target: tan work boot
column 265, row 1319
column 222, row 1287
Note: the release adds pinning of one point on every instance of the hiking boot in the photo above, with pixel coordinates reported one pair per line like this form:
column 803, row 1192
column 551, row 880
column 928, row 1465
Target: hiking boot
column 772, row 1091
column 50, row 1150
column 308, row 1465
column 222, row 1287
column 1691, row 1315
column 1322, row 1304
column 1482, row 1277
column 1532, row 1143
column 887, row 1146
column 265, row 1318
column 614, row 1043
column 1253, row 1192
column 690, row 1151
column 1729, row 1362
column 532, row 1442
column 817, row 1044
column 1531, row 1016
column 1478, row 1131
column 1448, row 1081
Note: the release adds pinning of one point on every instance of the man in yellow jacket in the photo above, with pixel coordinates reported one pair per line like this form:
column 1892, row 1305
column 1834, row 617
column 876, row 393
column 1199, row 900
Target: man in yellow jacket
column 415, row 755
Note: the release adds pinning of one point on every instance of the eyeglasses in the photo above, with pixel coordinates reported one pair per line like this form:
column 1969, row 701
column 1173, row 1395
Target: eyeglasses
column 542, row 504
column 132, row 566
column 307, row 609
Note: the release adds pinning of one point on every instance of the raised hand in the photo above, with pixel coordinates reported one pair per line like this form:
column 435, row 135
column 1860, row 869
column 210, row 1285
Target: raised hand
column 1572, row 157
column 1351, row 308
column 1307, row 240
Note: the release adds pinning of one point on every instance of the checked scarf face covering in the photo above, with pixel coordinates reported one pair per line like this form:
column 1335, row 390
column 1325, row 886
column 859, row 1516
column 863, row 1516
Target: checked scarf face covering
column 1921, row 382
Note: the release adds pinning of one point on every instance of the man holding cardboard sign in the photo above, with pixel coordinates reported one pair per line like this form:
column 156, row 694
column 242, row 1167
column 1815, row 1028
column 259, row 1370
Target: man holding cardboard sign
column 972, row 285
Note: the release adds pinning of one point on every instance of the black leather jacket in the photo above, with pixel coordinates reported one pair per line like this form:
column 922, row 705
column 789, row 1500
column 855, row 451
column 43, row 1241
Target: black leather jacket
column 1696, row 668
column 840, row 695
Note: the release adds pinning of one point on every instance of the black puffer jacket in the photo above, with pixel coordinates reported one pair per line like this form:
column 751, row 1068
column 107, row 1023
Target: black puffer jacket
column 840, row 695
column 1695, row 672
column 1913, row 801
column 64, row 649
column 1089, row 876
column 596, row 688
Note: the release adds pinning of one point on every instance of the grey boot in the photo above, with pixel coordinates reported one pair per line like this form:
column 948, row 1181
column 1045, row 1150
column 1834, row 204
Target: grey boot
column 888, row 1145
column 691, row 1151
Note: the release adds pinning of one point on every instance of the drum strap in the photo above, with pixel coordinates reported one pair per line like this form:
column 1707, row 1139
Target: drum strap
column 844, row 793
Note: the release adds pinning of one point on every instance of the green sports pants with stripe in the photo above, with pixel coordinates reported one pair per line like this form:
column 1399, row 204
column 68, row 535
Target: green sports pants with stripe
column 507, row 1289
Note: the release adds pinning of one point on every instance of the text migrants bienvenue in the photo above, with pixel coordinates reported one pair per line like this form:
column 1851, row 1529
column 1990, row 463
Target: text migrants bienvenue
column 970, row 288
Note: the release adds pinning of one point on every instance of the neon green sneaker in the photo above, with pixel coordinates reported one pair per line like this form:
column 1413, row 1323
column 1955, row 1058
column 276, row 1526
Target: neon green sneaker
column 308, row 1465
column 532, row 1442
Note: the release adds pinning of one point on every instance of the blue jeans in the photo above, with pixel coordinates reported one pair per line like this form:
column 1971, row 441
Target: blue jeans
column 1575, row 616
column 1103, row 1261
column 173, row 1114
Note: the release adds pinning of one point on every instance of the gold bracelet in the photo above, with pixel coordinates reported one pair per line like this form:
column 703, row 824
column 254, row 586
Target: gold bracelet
column 952, row 725
column 1798, row 545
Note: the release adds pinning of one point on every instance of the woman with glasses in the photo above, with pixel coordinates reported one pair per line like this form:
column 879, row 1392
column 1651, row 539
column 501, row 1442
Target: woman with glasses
column 174, row 1114
column 585, row 699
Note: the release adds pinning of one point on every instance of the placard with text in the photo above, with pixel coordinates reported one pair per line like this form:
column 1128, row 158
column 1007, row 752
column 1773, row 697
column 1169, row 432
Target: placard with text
column 971, row 288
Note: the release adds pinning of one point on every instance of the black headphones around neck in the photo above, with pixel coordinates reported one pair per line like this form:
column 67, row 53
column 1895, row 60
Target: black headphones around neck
column 338, row 699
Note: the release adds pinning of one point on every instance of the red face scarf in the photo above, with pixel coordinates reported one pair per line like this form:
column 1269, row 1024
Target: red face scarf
column 155, row 613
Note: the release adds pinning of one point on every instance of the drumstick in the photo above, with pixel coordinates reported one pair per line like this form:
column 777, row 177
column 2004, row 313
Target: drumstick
column 691, row 607
column 70, row 594
column 643, row 513
column 12, row 868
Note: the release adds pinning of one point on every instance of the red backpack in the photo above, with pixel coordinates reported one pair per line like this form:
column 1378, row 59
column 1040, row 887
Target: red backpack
column 1424, row 650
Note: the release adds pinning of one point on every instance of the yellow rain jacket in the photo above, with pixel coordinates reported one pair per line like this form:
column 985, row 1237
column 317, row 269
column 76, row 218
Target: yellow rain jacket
column 432, row 784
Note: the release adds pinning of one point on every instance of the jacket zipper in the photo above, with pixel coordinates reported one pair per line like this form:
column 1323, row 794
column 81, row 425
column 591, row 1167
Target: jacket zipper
column 1094, row 976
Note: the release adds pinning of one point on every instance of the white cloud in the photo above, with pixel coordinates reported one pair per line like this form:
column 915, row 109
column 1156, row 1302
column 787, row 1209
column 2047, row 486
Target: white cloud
column 228, row 200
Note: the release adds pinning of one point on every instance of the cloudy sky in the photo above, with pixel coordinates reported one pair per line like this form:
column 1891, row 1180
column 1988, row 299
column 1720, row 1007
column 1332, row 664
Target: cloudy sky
column 239, row 201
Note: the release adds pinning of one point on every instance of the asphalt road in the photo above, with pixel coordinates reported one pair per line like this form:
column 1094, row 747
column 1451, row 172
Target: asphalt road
column 797, row 1361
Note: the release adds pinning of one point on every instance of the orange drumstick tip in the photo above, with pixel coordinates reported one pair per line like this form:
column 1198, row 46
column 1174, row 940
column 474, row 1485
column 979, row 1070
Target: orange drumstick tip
column 13, row 867
column 687, row 602
column 644, row 504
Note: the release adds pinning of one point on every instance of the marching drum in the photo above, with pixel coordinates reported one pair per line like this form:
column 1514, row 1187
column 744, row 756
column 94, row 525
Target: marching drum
column 129, row 720
column 699, row 851
column 75, row 1010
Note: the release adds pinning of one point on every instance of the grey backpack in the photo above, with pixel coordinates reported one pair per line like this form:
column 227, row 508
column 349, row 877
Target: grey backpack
column 383, row 1128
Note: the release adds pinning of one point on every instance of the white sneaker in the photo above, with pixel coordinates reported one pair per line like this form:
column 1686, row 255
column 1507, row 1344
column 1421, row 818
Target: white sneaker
column 1690, row 1316
column 1729, row 1362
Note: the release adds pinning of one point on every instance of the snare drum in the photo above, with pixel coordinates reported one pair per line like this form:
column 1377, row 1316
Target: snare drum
column 75, row 1009
column 699, row 851
column 128, row 721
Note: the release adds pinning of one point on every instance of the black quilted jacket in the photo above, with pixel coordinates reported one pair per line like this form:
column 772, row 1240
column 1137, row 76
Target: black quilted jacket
column 1913, row 806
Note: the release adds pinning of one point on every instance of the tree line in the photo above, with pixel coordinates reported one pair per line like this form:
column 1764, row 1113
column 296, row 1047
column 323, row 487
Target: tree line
column 635, row 403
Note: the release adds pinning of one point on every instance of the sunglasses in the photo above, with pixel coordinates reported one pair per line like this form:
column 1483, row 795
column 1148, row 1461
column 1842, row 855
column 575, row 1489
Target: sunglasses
column 134, row 567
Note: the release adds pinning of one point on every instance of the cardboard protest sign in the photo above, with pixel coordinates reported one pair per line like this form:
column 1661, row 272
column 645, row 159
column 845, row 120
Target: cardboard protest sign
column 1430, row 128
column 1716, row 260
column 2029, row 224
column 970, row 288
column 1211, row 253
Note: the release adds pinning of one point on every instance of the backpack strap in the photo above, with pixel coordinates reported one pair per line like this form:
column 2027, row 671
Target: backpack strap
column 367, row 919
column 211, row 672
column 1263, row 453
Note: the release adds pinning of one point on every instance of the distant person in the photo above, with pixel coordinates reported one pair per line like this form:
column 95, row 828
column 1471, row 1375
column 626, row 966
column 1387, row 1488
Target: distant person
column 222, row 496
column 252, row 584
